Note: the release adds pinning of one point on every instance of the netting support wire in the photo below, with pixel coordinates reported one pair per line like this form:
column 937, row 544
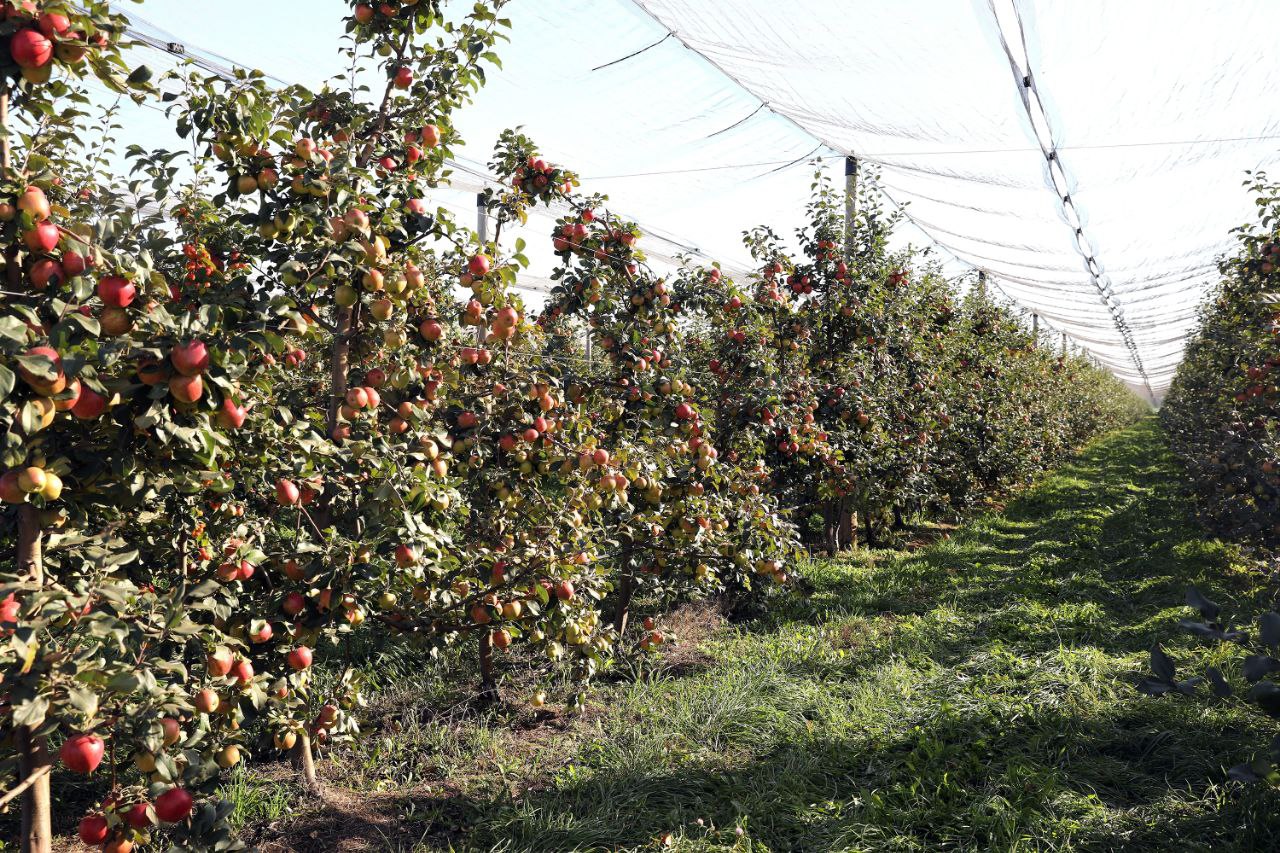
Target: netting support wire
column 637, row 53
column 738, row 122
column 1039, row 119
column 850, row 203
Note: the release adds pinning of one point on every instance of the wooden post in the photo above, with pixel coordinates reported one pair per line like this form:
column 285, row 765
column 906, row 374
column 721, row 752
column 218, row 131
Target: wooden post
column 482, row 231
column 842, row 523
column 850, row 203
column 1035, row 326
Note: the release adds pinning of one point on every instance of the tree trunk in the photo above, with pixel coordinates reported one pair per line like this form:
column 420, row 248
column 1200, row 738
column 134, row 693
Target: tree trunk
column 37, row 812
column 304, row 761
column 871, row 527
column 622, row 612
column 488, row 684
column 848, row 525
column 831, row 528
column 339, row 364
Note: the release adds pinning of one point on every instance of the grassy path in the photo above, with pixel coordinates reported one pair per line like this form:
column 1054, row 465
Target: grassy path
column 974, row 695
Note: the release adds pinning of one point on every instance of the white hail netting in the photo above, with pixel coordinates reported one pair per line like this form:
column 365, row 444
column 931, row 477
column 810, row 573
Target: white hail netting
column 1152, row 111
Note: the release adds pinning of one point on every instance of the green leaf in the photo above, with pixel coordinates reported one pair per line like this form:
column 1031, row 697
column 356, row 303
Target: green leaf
column 7, row 381
column 31, row 712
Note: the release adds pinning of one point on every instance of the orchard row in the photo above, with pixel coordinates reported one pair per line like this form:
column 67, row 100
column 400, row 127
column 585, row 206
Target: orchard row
column 249, row 415
column 1223, row 411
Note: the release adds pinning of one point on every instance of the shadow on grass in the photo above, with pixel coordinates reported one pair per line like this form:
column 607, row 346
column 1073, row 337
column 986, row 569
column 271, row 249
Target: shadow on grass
column 1047, row 781
column 974, row 695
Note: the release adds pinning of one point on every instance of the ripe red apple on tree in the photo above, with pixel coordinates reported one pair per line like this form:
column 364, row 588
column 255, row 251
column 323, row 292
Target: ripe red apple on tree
column 186, row 389
column 52, row 24
column 286, row 493
column 218, row 662
column 231, row 416
column 300, row 658
column 242, row 671
column 116, row 291
column 34, row 203
column 478, row 265
column 138, row 816
column 45, row 273
column 82, row 753
column 42, row 238
column 403, row 77
column 94, row 829
column 294, row 603
column 39, row 382
column 173, row 805
column 30, row 49
column 206, row 701
column 190, row 358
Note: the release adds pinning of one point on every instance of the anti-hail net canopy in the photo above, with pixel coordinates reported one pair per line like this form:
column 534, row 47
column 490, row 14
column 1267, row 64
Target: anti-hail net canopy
column 1087, row 154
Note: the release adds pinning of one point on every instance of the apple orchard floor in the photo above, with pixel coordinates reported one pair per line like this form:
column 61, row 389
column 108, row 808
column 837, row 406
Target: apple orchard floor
column 976, row 694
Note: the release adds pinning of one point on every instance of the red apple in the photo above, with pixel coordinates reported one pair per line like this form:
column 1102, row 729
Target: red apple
column 300, row 658
column 42, row 238
column 431, row 330
column 94, row 829
column 219, row 661
column 116, row 291
column 430, row 136
column 478, row 265
column 137, row 816
column 190, row 358
column 286, row 493
column 242, row 671
column 40, row 384
column 403, row 78
column 294, row 603
column 231, row 416
column 30, row 49
column 186, row 389
column 46, row 272
column 34, row 203
column 51, row 24
column 173, row 805
column 81, row 753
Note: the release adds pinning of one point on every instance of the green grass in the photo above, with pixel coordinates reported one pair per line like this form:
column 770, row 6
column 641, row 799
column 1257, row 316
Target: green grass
column 977, row 694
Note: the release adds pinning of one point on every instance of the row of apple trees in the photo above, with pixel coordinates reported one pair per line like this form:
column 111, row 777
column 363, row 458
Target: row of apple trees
column 260, row 396
column 1222, row 419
